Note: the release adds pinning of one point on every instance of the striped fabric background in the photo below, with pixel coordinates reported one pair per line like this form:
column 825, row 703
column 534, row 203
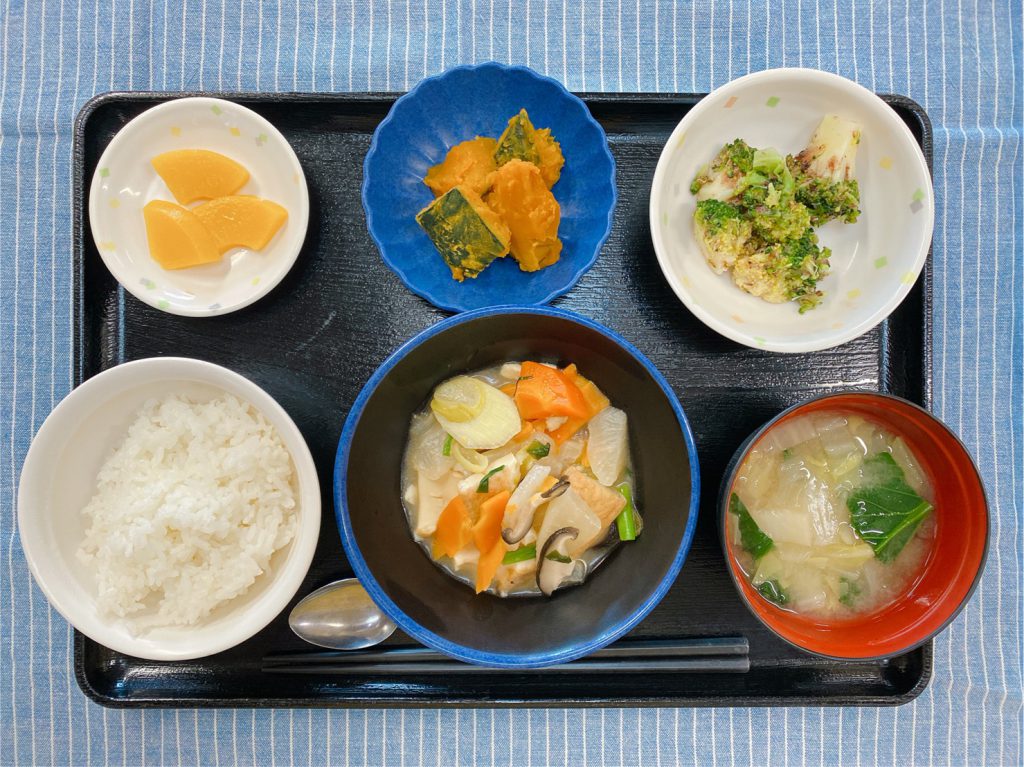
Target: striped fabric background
column 961, row 59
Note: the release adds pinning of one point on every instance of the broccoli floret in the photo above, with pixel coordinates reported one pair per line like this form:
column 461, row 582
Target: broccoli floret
column 722, row 231
column 828, row 200
column 789, row 220
column 724, row 177
column 762, row 274
column 785, row 271
column 756, row 211
column 824, row 171
column 806, row 264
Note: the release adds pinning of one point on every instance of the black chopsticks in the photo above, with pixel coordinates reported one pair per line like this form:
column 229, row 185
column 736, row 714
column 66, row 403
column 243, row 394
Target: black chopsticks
column 697, row 655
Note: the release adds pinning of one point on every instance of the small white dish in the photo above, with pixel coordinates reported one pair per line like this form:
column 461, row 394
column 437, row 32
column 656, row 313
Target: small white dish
column 874, row 262
column 125, row 181
column 59, row 478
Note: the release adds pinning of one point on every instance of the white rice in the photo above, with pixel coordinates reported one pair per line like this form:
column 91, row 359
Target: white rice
column 188, row 510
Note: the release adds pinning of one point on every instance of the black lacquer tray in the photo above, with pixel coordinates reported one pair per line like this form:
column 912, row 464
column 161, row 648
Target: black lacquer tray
column 319, row 335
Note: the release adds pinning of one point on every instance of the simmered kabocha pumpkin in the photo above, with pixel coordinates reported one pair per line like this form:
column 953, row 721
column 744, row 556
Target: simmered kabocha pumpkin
column 521, row 141
column 524, row 202
column 467, row 233
column 467, row 164
column 493, row 197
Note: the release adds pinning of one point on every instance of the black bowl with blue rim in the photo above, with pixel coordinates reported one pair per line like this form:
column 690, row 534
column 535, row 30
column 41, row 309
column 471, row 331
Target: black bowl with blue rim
column 460, row 104
column 445, row 614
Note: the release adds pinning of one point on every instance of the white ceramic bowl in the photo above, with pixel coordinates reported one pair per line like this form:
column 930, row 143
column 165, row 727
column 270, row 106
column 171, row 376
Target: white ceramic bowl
column 875, row 261
column 125, row 181
column 59, row 478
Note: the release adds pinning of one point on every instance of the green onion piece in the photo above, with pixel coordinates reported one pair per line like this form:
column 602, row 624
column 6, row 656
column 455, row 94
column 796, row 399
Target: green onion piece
column 521, row 554
column 626, row 521
column 447, row 448
column 485, row 483
column 554, row 556
column 538, row 449
column 516, row 389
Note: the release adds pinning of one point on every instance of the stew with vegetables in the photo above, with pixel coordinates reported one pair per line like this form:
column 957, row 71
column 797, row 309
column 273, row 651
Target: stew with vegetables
column 517, row 478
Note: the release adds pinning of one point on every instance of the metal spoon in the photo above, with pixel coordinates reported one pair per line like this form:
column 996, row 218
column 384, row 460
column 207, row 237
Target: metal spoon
column 340, row 616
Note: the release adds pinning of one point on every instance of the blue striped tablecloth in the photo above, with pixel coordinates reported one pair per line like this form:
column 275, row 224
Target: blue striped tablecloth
column 961, row 60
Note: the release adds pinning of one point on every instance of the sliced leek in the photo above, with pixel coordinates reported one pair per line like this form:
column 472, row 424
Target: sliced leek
column 495, row 422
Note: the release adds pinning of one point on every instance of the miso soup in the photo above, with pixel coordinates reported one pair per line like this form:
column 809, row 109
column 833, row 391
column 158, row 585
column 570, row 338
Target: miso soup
column 831, row 515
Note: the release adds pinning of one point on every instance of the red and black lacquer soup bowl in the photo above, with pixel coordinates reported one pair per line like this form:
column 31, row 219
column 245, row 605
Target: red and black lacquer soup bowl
column 950, row 572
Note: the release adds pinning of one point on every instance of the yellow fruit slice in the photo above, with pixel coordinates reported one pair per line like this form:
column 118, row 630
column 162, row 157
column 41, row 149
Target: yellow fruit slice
column 199, row 174
column 177, row 238
column 241, row 221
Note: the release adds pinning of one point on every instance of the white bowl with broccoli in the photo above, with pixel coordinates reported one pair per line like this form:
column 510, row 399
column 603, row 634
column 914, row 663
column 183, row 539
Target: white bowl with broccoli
column 792, row 210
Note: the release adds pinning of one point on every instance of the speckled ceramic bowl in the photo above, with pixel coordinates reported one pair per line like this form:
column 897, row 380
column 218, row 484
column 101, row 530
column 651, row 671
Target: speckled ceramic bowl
column 60, row 475
column 875, row 261
column 460, row 104
column 125, row 181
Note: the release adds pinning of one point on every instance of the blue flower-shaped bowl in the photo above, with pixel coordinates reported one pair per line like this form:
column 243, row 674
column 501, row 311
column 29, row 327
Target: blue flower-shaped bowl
column 460, row 104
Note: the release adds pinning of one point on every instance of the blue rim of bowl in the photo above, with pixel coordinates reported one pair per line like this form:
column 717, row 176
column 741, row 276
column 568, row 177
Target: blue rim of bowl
column 729, row 477
column 573, row 98
column 429, row 638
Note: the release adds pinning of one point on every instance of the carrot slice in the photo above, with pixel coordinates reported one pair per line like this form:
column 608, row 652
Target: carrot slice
column 592, row 395
column 545, row 392
column 524, row 432
column 453, row 529
column 487, row 529
column 488, row 565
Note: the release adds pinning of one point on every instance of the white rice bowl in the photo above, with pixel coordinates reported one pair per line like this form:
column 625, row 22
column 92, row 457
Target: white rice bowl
column 188, row 510
column 61, row 477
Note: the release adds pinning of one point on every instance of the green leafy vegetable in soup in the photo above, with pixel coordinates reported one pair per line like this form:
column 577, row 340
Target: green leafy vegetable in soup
column 885, row 511
column 538, row 449
column 773, row 592
column 522, row 554
column 848, row 592
column 752, row 538
column 831, row 515
column 484, row 483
